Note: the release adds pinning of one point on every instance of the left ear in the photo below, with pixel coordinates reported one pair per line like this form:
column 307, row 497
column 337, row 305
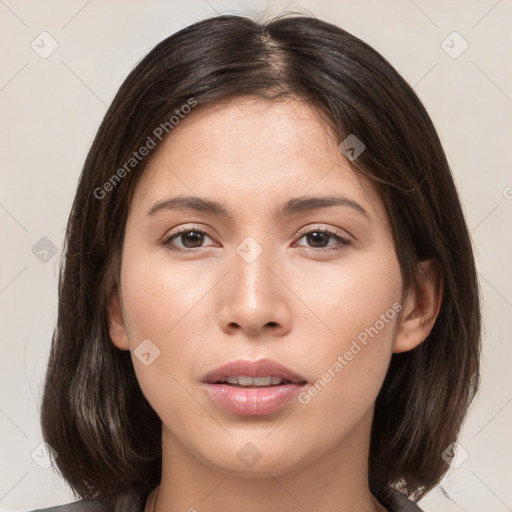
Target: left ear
column 421, row 307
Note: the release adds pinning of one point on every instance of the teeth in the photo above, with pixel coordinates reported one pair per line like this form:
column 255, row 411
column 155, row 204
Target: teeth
column 243, row 380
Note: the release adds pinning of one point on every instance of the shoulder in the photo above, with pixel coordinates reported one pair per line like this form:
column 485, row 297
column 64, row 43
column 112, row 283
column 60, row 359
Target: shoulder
column 126, row 503
column 398, row 502
column 77, row 506
column 394, row 501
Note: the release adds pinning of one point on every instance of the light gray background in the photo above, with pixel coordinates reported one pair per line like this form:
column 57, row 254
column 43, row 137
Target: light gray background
column 51, row 107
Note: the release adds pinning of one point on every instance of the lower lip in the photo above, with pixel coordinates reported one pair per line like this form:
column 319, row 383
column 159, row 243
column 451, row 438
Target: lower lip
column 252, row 401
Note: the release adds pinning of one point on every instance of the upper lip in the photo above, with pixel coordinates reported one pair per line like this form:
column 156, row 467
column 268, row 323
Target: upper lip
column 258, row 368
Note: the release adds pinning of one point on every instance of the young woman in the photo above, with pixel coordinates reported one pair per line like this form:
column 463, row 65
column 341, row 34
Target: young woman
column 268, row 298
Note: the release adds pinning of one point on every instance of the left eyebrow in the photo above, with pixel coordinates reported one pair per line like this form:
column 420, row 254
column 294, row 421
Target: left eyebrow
column 300, row 204
column 294, row 205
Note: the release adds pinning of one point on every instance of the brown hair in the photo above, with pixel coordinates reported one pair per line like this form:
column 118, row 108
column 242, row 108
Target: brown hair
column 107, row 436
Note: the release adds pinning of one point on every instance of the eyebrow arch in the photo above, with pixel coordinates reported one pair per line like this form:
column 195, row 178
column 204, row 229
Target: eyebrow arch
column 294, row 205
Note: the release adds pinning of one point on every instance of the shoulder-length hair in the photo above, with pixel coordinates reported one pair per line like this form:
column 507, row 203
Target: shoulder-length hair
column 93, row 413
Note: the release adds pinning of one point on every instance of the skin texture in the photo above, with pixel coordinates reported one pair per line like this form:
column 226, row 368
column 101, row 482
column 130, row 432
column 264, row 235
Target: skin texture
column 297, row 304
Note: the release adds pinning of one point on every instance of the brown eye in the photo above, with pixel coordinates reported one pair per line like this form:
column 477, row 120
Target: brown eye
column 319, row 239
column 189, row 238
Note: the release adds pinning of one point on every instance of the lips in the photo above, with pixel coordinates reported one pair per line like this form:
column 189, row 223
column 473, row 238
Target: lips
column 254, row 369
column 253, row 388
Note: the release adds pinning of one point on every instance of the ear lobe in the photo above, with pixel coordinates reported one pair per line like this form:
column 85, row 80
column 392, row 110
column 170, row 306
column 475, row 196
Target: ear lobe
column 117, row 329
column 422, row 307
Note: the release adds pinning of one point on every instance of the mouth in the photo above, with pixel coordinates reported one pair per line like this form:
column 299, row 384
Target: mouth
column 253, row 388
column 244, row 381
column 259, row 373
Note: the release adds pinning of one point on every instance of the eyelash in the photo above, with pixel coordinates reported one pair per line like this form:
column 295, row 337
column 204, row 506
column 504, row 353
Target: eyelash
column 343, row 241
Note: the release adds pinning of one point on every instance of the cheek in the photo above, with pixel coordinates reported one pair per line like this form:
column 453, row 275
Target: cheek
column 353, row 347
column 345, row 298
column 162, row 298
column 166, row 304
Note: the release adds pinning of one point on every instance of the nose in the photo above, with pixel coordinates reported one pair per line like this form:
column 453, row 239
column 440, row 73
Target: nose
column 255, row 300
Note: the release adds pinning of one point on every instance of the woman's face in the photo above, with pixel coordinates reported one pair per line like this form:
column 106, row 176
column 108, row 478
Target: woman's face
column 262, row 283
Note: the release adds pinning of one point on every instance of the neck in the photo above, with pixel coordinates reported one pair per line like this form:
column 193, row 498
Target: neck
column 335, row 481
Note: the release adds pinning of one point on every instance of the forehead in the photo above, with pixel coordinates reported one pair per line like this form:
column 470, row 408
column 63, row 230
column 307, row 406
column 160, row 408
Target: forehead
column 252, row 152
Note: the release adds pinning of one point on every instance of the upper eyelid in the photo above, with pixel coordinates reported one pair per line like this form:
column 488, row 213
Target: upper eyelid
column 332, row 230
column 181, row 231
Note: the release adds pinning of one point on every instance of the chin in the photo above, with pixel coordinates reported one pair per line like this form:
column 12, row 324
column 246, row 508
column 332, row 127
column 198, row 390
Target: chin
column 247, row 461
